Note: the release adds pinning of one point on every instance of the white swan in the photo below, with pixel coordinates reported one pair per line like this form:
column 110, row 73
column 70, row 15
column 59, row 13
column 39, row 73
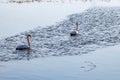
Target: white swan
column 75, row 33
column 25, row 47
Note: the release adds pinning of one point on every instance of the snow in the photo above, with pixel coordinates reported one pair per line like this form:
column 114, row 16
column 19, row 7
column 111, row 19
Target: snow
column 102, row 64
column 16, row 18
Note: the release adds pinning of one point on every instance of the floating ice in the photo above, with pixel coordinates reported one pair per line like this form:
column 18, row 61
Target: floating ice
column 98, row 27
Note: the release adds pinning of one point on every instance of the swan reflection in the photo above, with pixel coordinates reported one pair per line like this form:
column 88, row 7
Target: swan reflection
column 25, row 54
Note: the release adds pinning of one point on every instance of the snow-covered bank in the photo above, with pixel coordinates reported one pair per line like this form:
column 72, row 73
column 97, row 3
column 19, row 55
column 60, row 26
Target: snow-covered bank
column 27, row 16
column 102, row 64
column 98, row 27
column 23, row 17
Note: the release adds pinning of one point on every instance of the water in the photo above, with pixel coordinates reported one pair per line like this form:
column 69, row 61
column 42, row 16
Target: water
column 99, row 65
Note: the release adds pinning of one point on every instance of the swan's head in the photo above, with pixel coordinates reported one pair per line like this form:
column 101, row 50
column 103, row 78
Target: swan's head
column 76, row 23
column 28, row 35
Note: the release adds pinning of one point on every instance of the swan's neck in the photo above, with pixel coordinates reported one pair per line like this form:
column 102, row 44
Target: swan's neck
column 28, row 41
column 76, row 28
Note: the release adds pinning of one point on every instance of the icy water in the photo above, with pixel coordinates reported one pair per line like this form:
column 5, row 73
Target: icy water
column 102, row 64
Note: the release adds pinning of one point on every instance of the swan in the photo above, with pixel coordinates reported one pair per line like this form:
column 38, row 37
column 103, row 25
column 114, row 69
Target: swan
column 75, row 33
column 25, row 47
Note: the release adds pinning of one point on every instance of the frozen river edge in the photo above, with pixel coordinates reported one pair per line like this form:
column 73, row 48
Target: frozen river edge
column 98, row 27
